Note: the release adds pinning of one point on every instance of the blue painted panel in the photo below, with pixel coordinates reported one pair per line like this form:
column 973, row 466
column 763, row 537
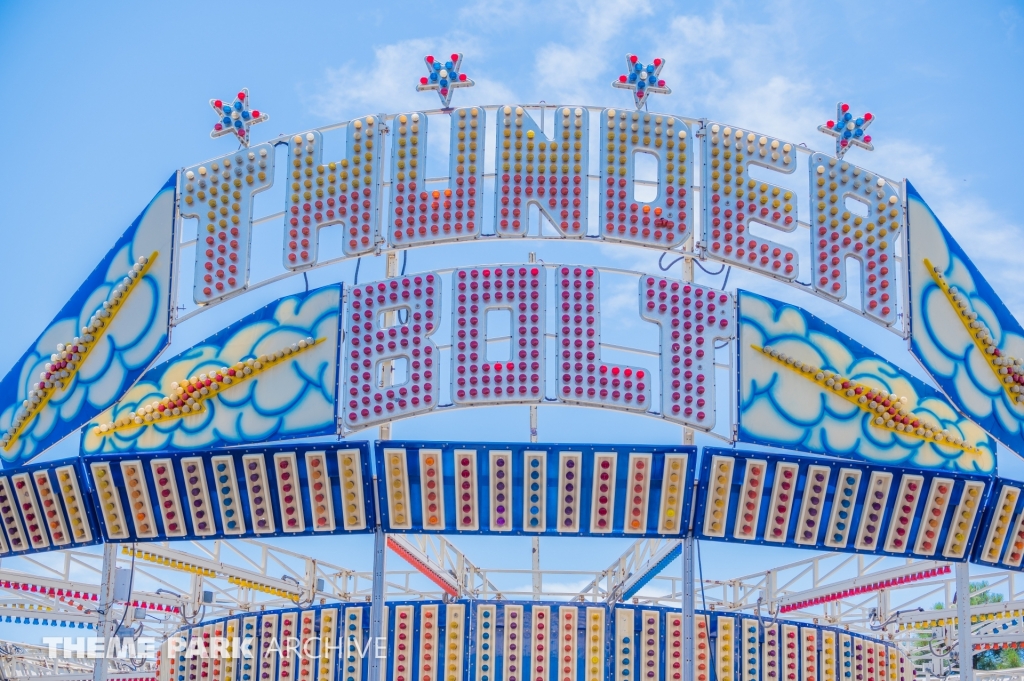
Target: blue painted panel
column 270, row 399
column 793, row 406
column 979, row 368
column 565, row 506
column 110, row 357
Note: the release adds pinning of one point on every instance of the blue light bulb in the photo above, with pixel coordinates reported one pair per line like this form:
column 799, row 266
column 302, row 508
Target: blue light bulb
column 238, row 105
column 650, row 68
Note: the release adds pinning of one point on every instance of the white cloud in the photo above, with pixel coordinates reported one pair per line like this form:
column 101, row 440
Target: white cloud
column 397, row 67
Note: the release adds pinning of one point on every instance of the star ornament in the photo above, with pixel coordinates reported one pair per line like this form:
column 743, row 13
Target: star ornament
column 848, row 131
column 236, row 118
column 642, row 80
column 444, row 77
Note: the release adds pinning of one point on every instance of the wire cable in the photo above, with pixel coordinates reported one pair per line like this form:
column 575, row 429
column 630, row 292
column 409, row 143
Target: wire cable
column 704, row 601
column 359, row 261
column 306, row 278
column 707, row 271
column 666, row 268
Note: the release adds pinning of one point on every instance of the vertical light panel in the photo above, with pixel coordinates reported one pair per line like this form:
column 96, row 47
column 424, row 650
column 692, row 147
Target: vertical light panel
column 534, row 492
column 321, row 502
column 959, row 535
column 192, row 661
column 550, row 173
column 110, row 507
column 478, row 376
column 749, row 508
column 198, row 495
column 515, row 640
column 342, row 192
column 725, row 653
column 736, row 203
column 843, row 502
column 71, row 492
column 229, row 666
column 638, row 493
column 565, row 648
column 934, row 515
column 868, row 235
column 846, row 657
column 829, row 649
column 28, row 505
column 907, row 498
column 690, row 319
column 350, row 655
column 168, row 499
column 569, row 470
column 624, row 644
column 261, row 510
column 289, row 499
column 790, row 652
column 716, row 505
column 892, row 663
column 307, row 648
column 287, row 664
column 541, row 638
column 876, row 498
column 1002, row 516
column 859, row 665
column 594, row 655
column 454, row 655
column 1015, row 547
column 869, row 660
column 403, row 645
column 214, row 644
column 429, row 635
column 486, row 642
column 248, row 665
column 352, row 495
column 432, row 489
column 749, row 646
column 673, row 494
column 52, row 509
column 220, row 194
column 771, row 658
column 367, row 401
column 204, row 660
column 397, row 484
column 467, row 503
column 268, row 648
column 419, row 215
column 500, row 490
column 602, row 496
column 650, row 645
column 809, row 523
column 702, row 648
column 809, row 654
column 662, row 217
column 583, row 378
column 138, row 499
column 781, row 507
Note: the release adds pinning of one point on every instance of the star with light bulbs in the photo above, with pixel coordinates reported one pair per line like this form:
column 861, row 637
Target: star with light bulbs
column 643, row 80
column 445, row 77
column 848, row 130
column 235, row 118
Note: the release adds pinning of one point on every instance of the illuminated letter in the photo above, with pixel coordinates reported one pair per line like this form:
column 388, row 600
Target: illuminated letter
column 583, row 377
column 419, row 216
column 519, row 377
column 838, row 235
column 369, row 344
column 341, row 192
column 224, row 186
column 691, row 317
column 551, row 174
column 736, row 201
column 664, row 221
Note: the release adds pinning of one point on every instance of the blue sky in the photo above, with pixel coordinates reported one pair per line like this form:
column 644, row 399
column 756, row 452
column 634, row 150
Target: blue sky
column 104, row 101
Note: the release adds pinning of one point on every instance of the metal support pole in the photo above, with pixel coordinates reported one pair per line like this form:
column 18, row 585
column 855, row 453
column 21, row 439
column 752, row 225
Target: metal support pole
column 963, row 613
column 377, row 604
column 388, row 366
column 537, row 584
column 689, row 605
column 105, row 626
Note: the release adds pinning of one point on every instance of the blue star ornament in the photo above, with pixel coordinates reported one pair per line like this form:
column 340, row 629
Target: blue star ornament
column 444, row 76
column 642, row 80
column 235, row 118
column 849, row 130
